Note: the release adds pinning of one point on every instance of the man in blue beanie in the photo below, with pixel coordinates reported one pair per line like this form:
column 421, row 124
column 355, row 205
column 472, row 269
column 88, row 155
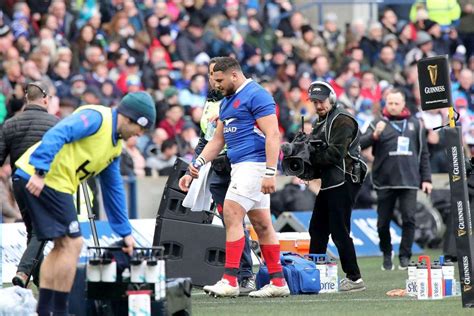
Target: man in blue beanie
column 85, row 144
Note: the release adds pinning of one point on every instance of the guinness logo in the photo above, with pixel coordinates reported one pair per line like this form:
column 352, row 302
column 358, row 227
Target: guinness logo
column 433, row 70
column 456, row 178
column 467, row 288
column 461, row 232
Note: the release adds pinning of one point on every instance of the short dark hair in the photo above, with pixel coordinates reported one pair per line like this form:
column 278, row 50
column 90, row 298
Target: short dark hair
column 214, row 60
column 226, row 63
column 35, row 90
column 167, row 144
column 396, row 90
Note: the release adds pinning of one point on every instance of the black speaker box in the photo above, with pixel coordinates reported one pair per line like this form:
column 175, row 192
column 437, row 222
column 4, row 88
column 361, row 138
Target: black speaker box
column 179, row 170
column 171, row 207
column 193, row 250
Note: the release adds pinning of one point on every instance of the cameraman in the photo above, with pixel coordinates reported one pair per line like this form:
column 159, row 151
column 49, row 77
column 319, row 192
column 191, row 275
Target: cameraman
column 336, row 153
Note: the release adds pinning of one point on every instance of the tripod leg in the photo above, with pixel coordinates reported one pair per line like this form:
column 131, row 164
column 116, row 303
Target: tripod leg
column 35, row 262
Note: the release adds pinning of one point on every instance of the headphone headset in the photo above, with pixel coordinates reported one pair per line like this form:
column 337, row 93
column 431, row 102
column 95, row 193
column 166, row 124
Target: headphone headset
column 36, row 86
column 332, row 94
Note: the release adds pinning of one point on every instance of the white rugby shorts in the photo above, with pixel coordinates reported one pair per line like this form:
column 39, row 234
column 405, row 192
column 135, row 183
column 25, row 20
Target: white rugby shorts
column 246, row 184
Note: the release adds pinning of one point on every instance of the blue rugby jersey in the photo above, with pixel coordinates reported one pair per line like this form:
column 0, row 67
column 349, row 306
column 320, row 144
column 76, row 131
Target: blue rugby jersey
column 239, row 113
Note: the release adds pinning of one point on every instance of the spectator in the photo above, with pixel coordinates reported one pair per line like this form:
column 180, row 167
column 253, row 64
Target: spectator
column 401, row 167
column 386, row 67
column 164, row 161
column 423, row 49
column 389, row 21
column 187, row 140
column 372, row 43
column 291, row 26
column 138, row 161
column 16, row 136
column 224, row 44
column 339, row 82
column 173, row 123
column 333, row 39
column 321, row 69
column 351, row 98
column 194, row 95
column 465, row 88
column 190, row 42
column 78, row 87
column 466, row 26
column 444, row 12
column 61, row 77
column 260, row 37
column 370, row 89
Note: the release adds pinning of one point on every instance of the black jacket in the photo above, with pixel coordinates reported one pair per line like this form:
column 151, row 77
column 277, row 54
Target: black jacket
column 24, row 130
column 339, row 130
column 394, row 171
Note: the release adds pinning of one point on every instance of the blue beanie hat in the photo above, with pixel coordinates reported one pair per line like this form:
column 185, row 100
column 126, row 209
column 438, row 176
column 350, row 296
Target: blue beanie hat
column 140, row 108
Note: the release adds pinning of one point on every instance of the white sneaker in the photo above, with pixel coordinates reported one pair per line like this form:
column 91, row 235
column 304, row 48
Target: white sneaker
column 222, row 289
column 271, row 290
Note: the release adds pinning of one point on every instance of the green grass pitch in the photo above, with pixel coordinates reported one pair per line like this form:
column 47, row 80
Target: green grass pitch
column 372, row 302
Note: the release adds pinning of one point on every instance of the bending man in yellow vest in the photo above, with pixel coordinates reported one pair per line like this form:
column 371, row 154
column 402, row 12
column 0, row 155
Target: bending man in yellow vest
column 85, row 144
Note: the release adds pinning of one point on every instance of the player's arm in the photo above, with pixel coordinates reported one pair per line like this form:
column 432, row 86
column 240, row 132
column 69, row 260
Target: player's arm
column 113, row 195
column 269, row 126
column 70, row 129
column 211, row 150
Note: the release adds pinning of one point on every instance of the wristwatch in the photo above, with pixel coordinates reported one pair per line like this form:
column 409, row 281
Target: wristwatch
column 40, row 173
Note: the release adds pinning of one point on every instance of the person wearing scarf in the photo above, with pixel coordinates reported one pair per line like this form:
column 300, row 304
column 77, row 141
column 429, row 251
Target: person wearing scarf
column 401, row 167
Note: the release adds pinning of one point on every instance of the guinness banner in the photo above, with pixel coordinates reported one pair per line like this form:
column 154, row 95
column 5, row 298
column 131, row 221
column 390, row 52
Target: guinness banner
column 435, row 86
column 461, row 213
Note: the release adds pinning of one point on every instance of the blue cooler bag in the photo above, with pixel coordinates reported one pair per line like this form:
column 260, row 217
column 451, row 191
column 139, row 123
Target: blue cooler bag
column 300, row 274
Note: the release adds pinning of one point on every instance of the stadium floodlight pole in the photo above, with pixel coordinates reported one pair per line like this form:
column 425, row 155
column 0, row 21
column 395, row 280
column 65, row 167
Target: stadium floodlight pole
column 90, row 215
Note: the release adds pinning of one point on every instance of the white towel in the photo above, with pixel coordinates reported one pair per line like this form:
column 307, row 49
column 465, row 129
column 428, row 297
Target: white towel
column 199, row 197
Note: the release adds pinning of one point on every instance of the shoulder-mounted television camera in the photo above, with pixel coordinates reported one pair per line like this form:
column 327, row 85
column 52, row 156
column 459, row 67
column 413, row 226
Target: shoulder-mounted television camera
column 297, row 157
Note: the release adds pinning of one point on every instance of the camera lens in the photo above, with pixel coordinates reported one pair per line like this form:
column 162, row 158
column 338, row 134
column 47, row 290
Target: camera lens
column 293, row 166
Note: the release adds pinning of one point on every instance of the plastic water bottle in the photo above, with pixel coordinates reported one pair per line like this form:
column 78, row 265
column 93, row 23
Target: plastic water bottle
column 162, row 278
column 436, row 281
column 411, row 287
column 152, row 273
column 137, row 265
column 422, row 281
column 448, row 276
column 93, row 270
column 108, row 270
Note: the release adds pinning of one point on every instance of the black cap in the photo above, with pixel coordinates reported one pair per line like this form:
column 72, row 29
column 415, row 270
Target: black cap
column 319, row 92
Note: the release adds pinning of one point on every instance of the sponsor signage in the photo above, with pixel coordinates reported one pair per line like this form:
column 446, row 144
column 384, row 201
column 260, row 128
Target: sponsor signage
column 434, row 82
column 461, row 213
column 14, row 242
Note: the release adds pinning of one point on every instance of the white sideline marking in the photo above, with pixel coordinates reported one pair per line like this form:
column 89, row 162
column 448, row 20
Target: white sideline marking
column 284, row 301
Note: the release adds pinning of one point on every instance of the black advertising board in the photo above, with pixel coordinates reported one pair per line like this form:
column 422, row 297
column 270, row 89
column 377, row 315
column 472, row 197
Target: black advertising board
column 435, row 85
column 461, row 214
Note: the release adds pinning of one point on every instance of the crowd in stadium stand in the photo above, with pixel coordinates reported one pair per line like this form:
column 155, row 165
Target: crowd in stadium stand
column 94, row 52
